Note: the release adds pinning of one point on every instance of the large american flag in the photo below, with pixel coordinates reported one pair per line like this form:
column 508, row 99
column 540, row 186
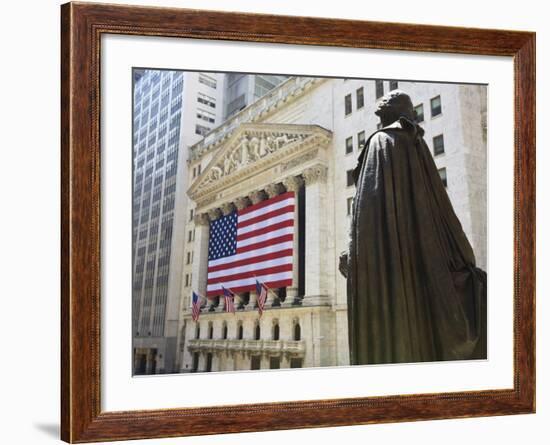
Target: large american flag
column 254, row 243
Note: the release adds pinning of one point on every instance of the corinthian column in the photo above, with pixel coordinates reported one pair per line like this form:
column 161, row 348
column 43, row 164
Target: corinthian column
column 242, row 202
column 293, row 184
column 199, row 270
column 317, row 255
column 273, row 190
column 227, row 208
column 257, row 196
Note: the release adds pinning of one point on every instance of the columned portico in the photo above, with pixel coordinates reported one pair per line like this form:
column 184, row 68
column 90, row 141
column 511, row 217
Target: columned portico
column 316, row 236
column 260, row 163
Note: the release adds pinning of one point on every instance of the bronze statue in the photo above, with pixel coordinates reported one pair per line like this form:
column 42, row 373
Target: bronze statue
column 414, row 291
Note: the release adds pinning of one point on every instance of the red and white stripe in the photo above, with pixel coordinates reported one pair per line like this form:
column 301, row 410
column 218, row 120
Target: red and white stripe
column 265, row 242
column 229, row 303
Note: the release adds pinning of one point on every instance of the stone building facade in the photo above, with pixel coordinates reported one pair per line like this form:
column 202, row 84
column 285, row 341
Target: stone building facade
column 305, row 136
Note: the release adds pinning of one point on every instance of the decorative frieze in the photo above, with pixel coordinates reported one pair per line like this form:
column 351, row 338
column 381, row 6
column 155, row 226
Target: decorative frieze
column 310, row 155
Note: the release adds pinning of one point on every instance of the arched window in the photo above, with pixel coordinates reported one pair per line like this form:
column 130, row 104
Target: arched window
column 210, row 330
column 224, row 330
column 198, row 331
column 257, row 331
column 297, row 331
column 276, row 330
column 240, row 330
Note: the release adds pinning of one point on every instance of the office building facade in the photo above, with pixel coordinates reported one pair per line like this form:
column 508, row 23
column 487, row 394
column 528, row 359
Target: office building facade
column 172, row 110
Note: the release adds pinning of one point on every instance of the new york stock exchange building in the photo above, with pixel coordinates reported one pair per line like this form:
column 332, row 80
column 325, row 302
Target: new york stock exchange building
column 269, row 199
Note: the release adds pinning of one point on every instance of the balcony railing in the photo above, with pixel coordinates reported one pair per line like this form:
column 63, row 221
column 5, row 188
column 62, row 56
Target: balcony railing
column 296, row 348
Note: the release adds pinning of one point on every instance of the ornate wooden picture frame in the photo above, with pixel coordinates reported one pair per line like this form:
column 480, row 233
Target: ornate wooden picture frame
column 82, row 26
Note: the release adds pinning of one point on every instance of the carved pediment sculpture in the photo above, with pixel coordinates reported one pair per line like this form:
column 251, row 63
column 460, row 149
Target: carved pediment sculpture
column 253, row 143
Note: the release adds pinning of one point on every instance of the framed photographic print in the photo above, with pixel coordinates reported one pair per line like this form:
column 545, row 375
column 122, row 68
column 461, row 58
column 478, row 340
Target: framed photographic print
column 318, row 222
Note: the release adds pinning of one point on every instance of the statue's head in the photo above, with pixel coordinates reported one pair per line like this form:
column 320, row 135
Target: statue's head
column 394, row 105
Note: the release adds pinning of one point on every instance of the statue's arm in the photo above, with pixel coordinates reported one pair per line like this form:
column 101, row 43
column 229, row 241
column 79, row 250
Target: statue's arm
column 343, row 265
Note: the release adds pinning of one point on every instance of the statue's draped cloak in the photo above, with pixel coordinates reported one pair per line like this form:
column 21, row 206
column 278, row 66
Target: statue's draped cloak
column 414, row 292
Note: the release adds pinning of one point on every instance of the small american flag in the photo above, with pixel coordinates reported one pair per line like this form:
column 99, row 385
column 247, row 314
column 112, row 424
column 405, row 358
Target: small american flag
column 196, row 310
column 253, row 243
column 229, row 300
column 261, row 290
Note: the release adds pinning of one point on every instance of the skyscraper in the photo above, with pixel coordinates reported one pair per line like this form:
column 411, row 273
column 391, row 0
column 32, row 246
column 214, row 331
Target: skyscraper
column 172, row 110
column 243, row 89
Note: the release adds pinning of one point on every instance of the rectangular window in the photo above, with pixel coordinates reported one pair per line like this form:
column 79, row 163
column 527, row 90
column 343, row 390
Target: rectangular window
column 360, row 140
column 439, row 147
column 191, row 214
column 206, row 116
column 348, row 104
column 188, row 258
column 207, row 80
column 419, row 113
column 394, row 85
column 199, row 169
column 206, row 100
column 190, row 236
column 443, row 175
column 350, row 205
column 349, row 145
column 360, row 98
column 349, row 179
column 436, row 106
column 201, row 130
column 379, row 86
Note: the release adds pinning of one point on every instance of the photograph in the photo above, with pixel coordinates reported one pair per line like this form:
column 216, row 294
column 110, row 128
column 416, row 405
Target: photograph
column 283, row 221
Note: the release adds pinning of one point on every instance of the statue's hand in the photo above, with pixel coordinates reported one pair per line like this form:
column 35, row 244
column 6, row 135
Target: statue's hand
column 343, row 265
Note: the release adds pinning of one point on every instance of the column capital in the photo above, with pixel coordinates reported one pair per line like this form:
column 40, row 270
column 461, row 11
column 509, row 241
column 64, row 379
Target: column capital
column 273, row 190
column 214, row 214
column 257, row 196
column 317, row 173
column 201, row 219
column 227, row 208
column 293, row 183
column 242, row 202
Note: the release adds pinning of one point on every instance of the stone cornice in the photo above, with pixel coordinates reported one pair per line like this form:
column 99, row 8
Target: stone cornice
column 258, row 111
